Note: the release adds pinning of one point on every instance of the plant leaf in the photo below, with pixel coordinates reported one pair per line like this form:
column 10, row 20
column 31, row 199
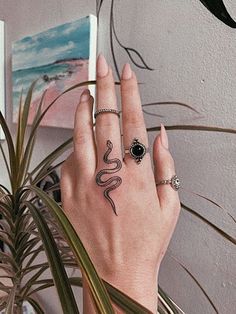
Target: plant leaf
column 46, row 162
column 167, row 303
column 127, row 304
column 218, row 8
column 194, row 128
column 95, row 284
column 11, row 150
column 132, row 53
column 166, row 103
column 23, row 116
column 31, row 281
column 19, row 129
column 60, row 278
column 5, row 162
column 211, row 201
column 124, row 301
column 36, row 306
column 11, row 301
column 98, row 7
column 217, row 229
column 197, row 282
column 24, row 166
column 118, row 297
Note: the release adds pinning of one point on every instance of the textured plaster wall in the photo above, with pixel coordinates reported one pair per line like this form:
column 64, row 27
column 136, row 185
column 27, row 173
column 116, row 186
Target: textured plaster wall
column 193, row 55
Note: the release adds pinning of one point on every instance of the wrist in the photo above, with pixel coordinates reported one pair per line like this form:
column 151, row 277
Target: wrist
column 140, row 286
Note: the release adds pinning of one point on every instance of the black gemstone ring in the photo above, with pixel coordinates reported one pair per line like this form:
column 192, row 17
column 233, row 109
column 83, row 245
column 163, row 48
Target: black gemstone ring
column 137, row 150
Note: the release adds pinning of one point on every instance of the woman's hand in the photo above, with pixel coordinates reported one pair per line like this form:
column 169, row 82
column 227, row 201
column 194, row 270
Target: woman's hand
column 124, row 221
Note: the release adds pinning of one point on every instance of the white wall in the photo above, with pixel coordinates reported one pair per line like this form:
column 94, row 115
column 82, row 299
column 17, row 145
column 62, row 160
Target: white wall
column 193, row 55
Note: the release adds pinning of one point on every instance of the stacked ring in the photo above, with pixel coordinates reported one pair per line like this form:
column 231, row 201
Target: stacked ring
column 97, row 112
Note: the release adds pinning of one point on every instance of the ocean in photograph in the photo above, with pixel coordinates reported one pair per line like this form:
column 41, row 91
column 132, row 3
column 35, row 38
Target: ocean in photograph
column 59, row 58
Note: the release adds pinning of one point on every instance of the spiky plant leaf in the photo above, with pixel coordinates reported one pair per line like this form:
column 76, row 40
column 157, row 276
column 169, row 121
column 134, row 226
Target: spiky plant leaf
column 11, row 301
column 11, row 150
column 60, row 278
column 167, row 303
column 213, row 202
column 5, row 160
column 42, row 167
column 217, row 229
column 96, row 286
column 197, row 282
column 25, row 163
column 194, row 128
column 119, row 298
column 167, row 103
column 36, row 306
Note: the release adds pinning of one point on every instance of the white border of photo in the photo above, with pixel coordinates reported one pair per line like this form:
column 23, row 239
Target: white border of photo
column 2, row 74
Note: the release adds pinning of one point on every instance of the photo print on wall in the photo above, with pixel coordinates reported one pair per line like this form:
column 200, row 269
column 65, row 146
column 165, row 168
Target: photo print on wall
column 60, row 58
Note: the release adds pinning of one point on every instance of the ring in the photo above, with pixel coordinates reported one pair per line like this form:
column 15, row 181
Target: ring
column 136, row 150
column 174, row 182
column 97, row 112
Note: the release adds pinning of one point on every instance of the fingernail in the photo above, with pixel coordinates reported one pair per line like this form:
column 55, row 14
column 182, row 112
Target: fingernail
column 126, row 72
column 85, row 95
column 102, row 66
column 164, row 137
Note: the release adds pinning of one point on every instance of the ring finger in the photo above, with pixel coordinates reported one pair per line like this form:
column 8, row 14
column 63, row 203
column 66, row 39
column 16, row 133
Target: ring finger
column 134, row 129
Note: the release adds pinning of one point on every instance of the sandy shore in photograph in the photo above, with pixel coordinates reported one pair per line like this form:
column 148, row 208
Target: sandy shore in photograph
column 61, row 114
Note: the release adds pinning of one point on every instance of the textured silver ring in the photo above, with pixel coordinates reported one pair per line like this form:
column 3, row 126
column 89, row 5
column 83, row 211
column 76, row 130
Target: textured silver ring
column 174, row 182
column 97, row 112
column 136, row 150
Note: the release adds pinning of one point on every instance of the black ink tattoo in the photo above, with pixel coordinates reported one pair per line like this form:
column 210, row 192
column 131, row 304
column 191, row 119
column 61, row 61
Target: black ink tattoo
column 113, row 182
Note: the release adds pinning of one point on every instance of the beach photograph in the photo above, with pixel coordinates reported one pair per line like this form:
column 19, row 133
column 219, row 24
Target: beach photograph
column 59, row 59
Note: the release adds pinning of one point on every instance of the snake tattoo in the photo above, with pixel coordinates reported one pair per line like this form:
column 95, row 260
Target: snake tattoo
column 113, row 182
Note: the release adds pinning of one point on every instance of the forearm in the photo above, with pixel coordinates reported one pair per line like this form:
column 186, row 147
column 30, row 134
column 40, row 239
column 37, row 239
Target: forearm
column 144, row 292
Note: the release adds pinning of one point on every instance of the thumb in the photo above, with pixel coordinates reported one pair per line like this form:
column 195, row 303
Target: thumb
column 164, row 169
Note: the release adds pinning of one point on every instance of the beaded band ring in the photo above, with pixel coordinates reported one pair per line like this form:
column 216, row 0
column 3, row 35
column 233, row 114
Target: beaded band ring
column 97, row 112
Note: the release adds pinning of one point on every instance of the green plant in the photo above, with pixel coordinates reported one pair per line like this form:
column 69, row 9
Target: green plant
column 29, row 230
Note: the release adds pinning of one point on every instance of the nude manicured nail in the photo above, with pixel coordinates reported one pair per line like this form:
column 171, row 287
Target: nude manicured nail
column 85, row 95
column 126, row 72
column 102, row 66
column 164, row 137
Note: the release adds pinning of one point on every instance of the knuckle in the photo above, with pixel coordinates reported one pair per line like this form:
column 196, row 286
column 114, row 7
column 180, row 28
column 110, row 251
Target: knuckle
column 106, row 122
column 129, row 87
column 172, row 210
column 171, row 200
column 105, row 85
column 174, row 205
column 134, row 119
column 80, row 138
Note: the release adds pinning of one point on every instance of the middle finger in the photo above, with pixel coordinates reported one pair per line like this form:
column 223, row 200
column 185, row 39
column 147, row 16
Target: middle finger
column 107, row 123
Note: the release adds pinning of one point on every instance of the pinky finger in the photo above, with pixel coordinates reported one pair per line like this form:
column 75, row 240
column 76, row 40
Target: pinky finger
column 164, row 169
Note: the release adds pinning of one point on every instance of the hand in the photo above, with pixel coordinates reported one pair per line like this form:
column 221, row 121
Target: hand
column 126, row 231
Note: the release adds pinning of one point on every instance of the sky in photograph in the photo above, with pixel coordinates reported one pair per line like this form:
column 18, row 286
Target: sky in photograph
column 70, row 40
